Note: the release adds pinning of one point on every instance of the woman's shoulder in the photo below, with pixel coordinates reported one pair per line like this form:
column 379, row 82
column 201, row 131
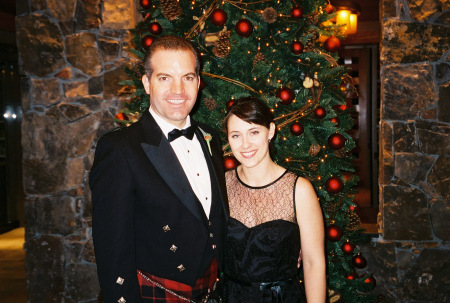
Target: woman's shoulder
column 230, row 175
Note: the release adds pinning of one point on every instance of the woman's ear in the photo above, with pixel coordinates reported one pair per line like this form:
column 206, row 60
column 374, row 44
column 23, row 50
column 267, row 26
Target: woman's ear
column 272, row 129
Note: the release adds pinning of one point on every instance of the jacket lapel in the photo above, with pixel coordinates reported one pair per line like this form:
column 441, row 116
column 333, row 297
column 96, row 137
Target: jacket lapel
column 161, row 155
column 213, row 157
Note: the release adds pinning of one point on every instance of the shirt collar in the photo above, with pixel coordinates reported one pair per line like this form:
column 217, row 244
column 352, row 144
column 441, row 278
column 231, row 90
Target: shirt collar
column 165, row 126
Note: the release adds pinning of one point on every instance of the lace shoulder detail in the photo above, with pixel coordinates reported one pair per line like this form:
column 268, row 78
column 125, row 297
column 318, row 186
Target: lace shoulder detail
column 256, row 205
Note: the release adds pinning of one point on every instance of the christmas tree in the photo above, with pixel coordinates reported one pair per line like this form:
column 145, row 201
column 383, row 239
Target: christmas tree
column 285, row 53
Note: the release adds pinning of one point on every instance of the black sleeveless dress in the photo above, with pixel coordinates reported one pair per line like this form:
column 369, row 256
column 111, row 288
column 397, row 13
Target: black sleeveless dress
column 263, row 242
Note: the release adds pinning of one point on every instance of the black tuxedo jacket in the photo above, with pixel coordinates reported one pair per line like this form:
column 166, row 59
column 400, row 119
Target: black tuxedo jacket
column 145, row 213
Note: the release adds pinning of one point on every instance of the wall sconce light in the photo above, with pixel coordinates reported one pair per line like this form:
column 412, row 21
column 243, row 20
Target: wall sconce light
column 347, row 13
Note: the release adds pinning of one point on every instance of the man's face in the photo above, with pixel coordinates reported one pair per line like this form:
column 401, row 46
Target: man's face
column 173, row 85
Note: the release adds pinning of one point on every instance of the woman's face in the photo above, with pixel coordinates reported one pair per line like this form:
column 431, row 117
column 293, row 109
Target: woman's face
column 249, row 142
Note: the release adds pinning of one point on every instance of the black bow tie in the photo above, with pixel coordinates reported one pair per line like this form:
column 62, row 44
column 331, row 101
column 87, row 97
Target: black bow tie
column 187, row 132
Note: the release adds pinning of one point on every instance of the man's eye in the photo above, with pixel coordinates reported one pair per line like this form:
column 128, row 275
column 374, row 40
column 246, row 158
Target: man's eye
column 255, row 132
column 162, row 78
column 190, row 78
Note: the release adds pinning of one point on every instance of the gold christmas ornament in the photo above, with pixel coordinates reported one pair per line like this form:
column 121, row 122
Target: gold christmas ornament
column 269, row 15
column 316, row 83
column 211, row 38
column 334, row 296
column 308, row 82
column 222, row 46
column 171, row 9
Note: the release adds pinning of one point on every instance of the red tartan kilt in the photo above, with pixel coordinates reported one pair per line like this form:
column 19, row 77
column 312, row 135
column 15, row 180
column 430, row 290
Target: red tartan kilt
column 153, row 293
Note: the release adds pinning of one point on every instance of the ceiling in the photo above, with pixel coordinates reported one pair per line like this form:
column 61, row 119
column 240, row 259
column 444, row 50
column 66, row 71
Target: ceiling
column 370, row 10
column 8, row 6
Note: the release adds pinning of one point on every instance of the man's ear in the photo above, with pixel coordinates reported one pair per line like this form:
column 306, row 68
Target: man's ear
column 198, row 84
column 146, row 82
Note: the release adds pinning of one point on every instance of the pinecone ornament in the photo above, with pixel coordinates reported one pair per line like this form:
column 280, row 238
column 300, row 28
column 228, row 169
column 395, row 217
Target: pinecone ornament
column 355, row 221
column 340, row 153
column 269, row 15
column 313, row 19
column 313, row 166
column 314, row 149
column 259, row 57
column 210, row 103
column 331, row 209
column 171, row 9
column 222, row 47
column 309, row 46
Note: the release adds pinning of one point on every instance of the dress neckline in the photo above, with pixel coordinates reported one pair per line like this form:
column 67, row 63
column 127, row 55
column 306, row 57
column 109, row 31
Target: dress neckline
column 258, row 187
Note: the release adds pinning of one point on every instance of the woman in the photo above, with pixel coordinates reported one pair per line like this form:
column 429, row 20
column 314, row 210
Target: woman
column 272, row 212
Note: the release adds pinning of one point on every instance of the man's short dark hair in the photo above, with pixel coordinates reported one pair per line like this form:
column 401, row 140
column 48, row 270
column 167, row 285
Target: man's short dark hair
column 170, row 43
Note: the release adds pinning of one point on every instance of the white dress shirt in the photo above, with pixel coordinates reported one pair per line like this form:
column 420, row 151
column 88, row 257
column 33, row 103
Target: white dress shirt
column 192, row 159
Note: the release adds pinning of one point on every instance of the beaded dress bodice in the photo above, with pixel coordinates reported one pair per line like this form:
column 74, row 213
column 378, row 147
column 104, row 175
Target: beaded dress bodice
column 263, row 241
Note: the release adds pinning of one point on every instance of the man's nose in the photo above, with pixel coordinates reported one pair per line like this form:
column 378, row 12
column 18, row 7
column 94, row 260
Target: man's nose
column 177, row 87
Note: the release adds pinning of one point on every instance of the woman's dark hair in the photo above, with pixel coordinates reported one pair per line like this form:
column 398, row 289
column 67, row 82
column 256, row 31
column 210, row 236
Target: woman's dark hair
column 251, row 110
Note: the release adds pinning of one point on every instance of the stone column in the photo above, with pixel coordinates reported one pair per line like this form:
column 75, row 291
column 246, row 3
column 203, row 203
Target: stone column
column 411, row 259
column 71, row 57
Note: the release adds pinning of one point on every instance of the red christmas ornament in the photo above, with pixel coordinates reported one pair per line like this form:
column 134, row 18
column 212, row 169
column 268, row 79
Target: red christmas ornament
column 329, row 8
column 348, row 248
column 341, row 107
column 244, row 28
column 336, row 141
column 155, row 28
column 202, row 84
column 230, row 103
column 359, row 261
column 286, row 95
column 145, row 4
column 297, row 12
column 334, row 185
column 297, row 47
column 333, row 233
column 335, row 120
column 351, row 276
column 147, row 41
column 218, row 17
column 352, row 208
column 332, row 44
column 296, row 128
column 230, row 162
column 320, row 112
column 371, row 280
column 347, row 176
column 121, row 116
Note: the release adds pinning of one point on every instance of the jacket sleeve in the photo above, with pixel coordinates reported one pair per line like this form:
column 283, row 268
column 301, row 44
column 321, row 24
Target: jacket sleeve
column 113, row 201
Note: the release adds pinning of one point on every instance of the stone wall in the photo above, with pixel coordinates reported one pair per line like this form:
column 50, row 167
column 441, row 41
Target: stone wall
column 71, row 56
column 411, row 257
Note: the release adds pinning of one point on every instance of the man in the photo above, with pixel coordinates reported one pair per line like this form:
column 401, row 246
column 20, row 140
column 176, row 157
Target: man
column 159, row 214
